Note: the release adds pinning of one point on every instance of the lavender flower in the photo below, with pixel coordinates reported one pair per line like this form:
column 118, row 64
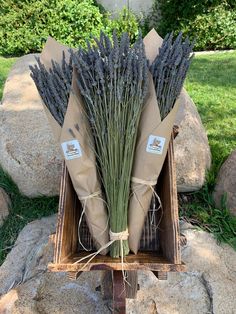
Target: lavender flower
column 54, row 85
column 169, row 70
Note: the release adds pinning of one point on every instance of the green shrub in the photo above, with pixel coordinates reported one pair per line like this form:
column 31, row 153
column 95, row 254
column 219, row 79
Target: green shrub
column 213, row 30
column 211, row 22
column 126, row 22
column 75, row 21
column 25, row 25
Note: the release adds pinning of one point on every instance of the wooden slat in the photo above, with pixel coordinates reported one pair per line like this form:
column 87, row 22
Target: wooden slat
column 141, row 261
column 169, row 226
column 57, row 237
column 73, row 275
column 67, row 223
column 161, row 275
column 119, row 293
column 132, row 284
column 107, row 286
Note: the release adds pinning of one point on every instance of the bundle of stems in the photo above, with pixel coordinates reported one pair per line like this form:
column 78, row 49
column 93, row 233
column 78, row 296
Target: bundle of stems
column 112, row 77
column 54, row 85
column 169, row 70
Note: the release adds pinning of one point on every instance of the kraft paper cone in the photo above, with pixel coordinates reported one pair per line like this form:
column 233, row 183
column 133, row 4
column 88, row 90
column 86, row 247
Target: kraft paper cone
column 152, row 42
column 147, row 167
column 81, row 164
column 78, row 152
column 151, row 148
column 53, row 51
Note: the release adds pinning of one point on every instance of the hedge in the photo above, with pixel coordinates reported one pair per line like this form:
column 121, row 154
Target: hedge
column 211, row 22
column 25, row 25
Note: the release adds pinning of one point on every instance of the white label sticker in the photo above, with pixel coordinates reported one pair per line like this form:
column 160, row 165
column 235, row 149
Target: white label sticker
column 71, row 149
column 155, row 144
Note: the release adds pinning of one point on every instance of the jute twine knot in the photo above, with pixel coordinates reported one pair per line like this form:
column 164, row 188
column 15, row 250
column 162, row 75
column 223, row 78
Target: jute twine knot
column 151, row 185
column 95, row 194
column 117, row 236
column 84, row 200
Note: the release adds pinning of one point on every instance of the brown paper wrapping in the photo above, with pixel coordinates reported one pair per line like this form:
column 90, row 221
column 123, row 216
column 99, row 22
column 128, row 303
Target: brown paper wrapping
column 53, row 51
column 148, row 162
column 79, row 154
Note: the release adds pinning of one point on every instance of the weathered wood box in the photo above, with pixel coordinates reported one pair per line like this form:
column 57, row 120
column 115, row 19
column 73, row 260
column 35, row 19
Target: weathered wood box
column 160, row 255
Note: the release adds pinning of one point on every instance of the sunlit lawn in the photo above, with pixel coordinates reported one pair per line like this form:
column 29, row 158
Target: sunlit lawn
column 212, row 85
column 5, row 65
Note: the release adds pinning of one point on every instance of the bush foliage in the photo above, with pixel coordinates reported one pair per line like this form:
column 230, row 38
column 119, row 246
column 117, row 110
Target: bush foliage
column 211, row 22
column 26, row 24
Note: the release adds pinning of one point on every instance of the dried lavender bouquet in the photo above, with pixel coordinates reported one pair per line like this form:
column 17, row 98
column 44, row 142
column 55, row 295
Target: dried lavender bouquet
column 169, row 70
column 54, row 83
column 112, row 79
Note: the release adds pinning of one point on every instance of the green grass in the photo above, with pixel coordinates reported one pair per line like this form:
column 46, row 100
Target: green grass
column 5, row 65
column 211, row 83
column 200, row 210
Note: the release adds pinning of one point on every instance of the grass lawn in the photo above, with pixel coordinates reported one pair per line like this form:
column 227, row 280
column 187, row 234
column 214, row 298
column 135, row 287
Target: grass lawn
column 212, row 85
column 5, row 65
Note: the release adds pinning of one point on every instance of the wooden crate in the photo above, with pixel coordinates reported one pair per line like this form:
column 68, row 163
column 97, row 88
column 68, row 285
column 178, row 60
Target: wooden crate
column 166, row 259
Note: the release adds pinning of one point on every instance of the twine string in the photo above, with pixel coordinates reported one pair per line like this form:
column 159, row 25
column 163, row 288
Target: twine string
column 150, row 184
column 84, row 200
column 114, row 236
column 120, row 236
column 154, row 209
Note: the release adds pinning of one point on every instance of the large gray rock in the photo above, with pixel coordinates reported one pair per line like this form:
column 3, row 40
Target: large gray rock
column 207, row 287
column 30, row 254
column 192, row 151
column 226, row 183
column 27, row 288
column 5, row 203
column 28, row 151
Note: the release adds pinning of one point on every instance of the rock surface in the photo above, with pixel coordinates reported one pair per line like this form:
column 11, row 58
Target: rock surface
column 28, row 151
column 226, row 183
column 192, row 151
column 30, row 254
column 4, row 205
column 207, row 287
